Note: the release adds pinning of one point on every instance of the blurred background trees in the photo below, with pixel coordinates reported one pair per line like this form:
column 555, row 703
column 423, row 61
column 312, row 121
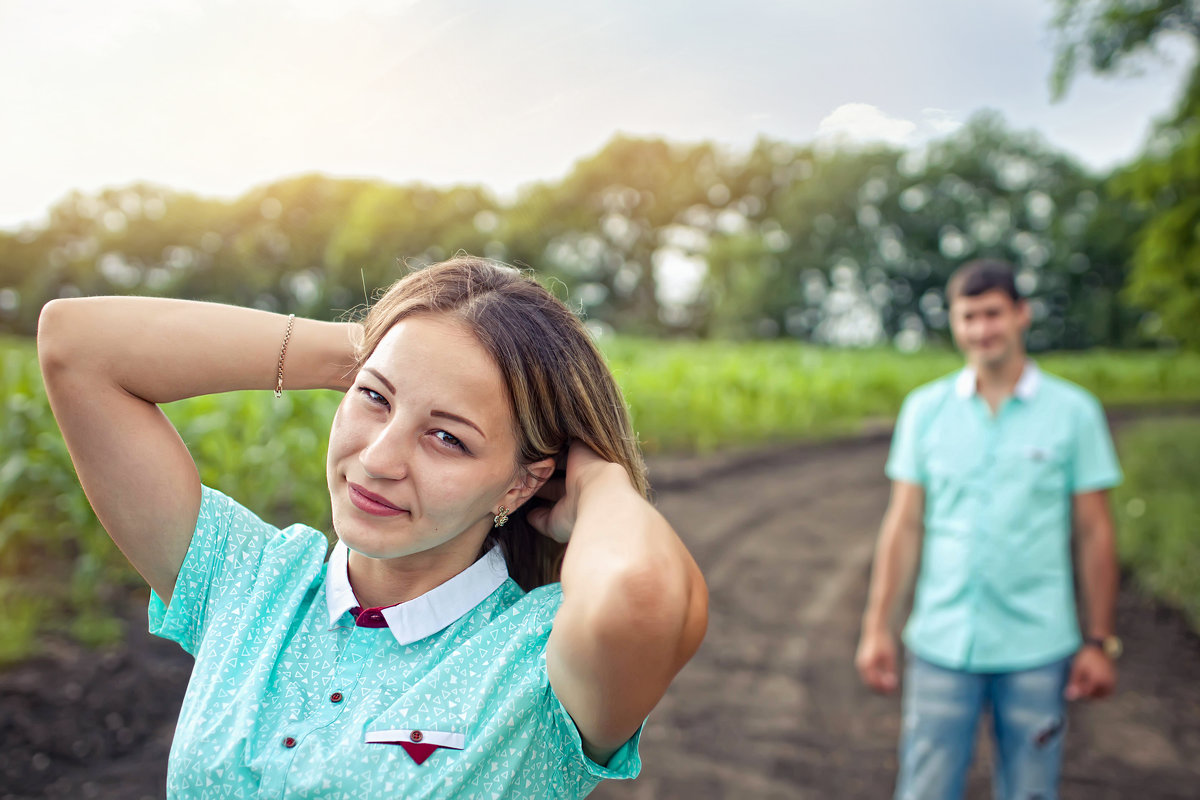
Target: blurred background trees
column 1162, row 187
column 841, row 246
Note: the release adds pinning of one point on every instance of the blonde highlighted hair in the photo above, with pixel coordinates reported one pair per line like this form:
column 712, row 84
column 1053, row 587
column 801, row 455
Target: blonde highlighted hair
column 559, row 388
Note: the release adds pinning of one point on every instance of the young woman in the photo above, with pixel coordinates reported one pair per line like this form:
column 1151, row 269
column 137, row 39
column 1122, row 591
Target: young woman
column 486, row 626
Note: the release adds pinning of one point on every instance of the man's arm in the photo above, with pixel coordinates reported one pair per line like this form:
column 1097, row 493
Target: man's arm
column 1093, row 675
column 897, row 553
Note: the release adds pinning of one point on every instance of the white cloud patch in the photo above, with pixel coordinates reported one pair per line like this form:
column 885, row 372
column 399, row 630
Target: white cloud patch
column 939, row 121
column 861, row 123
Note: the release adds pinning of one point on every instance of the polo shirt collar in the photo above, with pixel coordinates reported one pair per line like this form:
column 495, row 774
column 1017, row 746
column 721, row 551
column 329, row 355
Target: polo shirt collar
column 1027, row 385
column 422, row 616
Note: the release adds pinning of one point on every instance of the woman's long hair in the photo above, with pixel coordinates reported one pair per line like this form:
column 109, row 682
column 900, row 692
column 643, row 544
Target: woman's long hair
column 559, row 388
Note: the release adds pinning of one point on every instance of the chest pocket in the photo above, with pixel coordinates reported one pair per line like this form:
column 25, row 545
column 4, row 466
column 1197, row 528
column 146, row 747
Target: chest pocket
column 417, row 743
column 1041, row 467
column 419, row 724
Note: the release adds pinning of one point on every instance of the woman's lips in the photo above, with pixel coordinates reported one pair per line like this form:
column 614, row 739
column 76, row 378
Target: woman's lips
column 371, row 503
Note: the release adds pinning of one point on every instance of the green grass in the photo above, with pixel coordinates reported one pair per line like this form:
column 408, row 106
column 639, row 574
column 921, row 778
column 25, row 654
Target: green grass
column 1157, row 510
column 684, row 397
column 51, row 546
column 701, row 396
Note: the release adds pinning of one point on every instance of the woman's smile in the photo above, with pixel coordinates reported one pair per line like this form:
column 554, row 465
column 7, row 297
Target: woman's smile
column 371, row 503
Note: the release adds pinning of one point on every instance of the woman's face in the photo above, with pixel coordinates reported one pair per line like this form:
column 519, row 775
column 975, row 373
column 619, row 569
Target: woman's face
column 422, row 448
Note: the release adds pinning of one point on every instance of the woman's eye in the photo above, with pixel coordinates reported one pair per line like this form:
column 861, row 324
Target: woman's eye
column 449, row 439
column 372, row 396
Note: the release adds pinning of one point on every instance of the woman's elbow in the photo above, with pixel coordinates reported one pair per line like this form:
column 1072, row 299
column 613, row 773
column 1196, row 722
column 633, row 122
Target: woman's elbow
column 54, row 324
column 664, row 603
column 695, row 623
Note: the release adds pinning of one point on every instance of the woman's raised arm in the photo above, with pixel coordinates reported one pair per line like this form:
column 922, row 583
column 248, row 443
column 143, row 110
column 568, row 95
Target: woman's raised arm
column 634, row 609
column 108, row 362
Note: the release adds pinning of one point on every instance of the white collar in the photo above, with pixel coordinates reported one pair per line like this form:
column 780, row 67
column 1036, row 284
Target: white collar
column 1026, row 388
column 422, row 616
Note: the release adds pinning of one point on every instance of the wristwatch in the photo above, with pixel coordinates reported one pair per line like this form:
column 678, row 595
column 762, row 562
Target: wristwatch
column 1109, row 645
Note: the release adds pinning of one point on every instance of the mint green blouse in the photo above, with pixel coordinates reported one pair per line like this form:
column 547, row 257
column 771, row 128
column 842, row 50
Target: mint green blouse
column 290, row 697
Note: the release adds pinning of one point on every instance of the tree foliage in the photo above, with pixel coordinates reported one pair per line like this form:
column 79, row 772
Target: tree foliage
column 1163, row 184
column 836, row 245
column 1108, row 36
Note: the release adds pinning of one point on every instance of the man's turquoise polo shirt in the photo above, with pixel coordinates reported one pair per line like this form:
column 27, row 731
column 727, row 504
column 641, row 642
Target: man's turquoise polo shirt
column 995, row 591
column 294, row 695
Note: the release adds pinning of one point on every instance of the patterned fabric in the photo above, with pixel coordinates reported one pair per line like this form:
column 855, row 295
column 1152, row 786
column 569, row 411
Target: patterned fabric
column 284, row 704
column 995, row 590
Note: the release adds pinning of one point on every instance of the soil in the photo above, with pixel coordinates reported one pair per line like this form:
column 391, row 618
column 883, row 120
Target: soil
column 769, row 708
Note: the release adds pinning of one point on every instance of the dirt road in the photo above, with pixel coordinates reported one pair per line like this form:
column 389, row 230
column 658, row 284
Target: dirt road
column 770, row 708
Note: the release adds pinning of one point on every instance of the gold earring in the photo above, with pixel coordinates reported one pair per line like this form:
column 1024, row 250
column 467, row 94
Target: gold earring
column 500, row 518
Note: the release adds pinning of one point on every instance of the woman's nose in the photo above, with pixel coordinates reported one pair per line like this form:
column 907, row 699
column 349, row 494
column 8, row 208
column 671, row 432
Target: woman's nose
column 387, row 455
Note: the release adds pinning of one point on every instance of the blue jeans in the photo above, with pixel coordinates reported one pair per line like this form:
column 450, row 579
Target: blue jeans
column 941, row 710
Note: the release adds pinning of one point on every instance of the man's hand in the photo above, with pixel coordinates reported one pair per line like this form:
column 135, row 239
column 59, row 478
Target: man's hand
column 1093, row 675
column 876, row 661
column 896, row 556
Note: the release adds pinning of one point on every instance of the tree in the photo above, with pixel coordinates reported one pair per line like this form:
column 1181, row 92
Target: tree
column 605, row 229
column 1165, row 183
column 854, row 246
column 990, row 191
column 1109, row 36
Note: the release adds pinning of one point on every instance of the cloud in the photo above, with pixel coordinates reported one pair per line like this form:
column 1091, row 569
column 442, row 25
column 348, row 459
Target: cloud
column 939, row 121
column 862, row 122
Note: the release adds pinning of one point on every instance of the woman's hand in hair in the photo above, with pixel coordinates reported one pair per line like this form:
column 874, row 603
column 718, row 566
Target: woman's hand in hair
column 563, row 490
column 634, row 605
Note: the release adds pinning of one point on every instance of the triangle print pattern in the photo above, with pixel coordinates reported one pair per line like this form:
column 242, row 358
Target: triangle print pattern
column 283, row 705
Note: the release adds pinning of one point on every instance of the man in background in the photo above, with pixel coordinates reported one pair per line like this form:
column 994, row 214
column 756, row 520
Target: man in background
column 991, row 468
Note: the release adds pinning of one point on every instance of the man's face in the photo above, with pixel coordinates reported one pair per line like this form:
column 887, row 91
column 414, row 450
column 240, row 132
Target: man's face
column 989, row 328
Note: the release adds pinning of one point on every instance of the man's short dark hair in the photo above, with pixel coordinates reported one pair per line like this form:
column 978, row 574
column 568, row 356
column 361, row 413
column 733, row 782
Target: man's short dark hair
column 981, row 276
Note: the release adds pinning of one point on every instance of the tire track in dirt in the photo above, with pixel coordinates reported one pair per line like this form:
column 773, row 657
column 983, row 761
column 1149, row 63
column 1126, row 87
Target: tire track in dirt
column 779, row 566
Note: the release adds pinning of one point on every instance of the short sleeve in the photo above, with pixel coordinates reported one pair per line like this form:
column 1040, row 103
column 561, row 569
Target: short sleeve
column 904, row 462
column 624, row 764
column 1094, row 463
column 559, row 730
column 222, row 557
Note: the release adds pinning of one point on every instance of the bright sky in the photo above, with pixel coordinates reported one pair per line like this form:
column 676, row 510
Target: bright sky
column 217, row 96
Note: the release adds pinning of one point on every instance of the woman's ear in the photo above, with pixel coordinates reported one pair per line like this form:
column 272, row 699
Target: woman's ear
column 532, row 477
